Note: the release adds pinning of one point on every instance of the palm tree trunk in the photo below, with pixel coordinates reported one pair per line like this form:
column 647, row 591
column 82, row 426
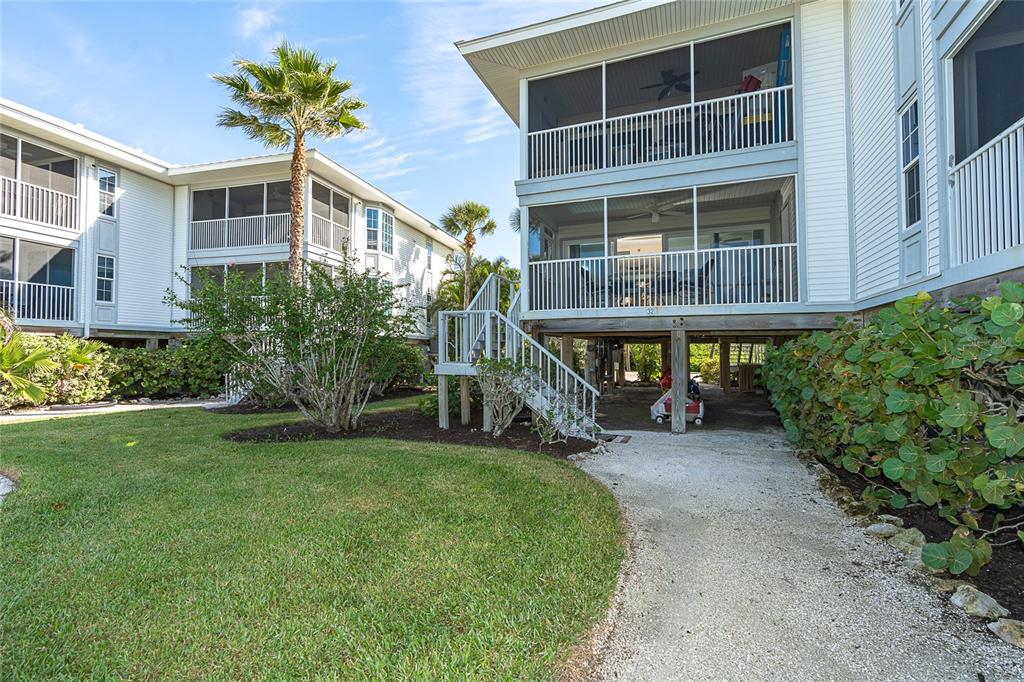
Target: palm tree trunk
column 466, row 270
column 298, row 213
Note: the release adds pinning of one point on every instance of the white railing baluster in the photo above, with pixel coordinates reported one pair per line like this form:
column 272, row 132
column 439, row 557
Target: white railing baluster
column 986, row 207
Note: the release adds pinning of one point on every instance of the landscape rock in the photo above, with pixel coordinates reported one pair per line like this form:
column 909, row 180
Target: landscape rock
column 1010, row 631
column 977, row 603
column 881, row 530
column 6, row 486
column 948, row 584
column 907, row 540
column 889, row 518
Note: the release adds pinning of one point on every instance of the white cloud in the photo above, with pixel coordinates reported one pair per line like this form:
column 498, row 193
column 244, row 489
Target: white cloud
column 447, row 94
column 256, row 21
column 376, row 156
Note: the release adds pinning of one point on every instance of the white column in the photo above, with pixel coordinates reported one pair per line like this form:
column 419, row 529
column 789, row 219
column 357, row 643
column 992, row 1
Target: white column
column 524, row 130
column 524, row 259
column 442, row 401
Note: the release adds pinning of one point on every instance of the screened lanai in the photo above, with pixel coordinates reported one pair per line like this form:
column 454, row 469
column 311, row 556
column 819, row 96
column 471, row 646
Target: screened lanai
column 713, row 245
column 728, row 93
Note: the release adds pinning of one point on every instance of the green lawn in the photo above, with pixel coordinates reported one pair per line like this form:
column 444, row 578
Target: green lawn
column 144, row 545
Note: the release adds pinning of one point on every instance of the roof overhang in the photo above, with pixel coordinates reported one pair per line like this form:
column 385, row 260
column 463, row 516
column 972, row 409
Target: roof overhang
column 320, row 165
column 502, row 59
column 74, row 137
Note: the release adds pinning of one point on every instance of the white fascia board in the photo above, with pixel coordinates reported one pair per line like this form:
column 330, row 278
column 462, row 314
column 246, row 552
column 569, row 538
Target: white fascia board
column 563, row 23
column 76, row 137
column 347, row 180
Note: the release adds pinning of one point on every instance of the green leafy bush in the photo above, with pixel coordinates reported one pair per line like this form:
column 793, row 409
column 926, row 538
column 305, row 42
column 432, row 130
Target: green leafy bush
column 77, row 374
column 710, row 370
column 926, row 403
column 646, row 361
column 195, row 368
column 411, row 367
column 428, row 403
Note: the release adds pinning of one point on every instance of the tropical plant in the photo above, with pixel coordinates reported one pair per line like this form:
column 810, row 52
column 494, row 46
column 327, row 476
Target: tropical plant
column 468, row 221
column 283, row 101
column 451, row 290
column 75, row 358
column 927, row 404
column 326, row 343
column 18, row 364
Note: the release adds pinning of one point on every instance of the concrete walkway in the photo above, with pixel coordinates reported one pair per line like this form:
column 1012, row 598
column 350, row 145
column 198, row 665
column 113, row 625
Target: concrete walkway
column 745, row 571
column 64, row 412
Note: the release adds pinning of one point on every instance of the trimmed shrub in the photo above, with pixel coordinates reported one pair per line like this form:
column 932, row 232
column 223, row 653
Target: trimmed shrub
column 195, row 368
column 927, row 403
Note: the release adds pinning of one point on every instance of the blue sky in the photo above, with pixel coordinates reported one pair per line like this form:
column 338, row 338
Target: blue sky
column 138, row 72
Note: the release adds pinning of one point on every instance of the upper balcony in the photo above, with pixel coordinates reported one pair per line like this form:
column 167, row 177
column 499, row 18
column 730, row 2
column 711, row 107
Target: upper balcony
column 37, row 184
column 698, row 99
column 259, row 215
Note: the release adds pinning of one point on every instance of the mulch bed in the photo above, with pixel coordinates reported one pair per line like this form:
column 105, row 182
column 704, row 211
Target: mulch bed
column 1002, row 578
column 414, row 426
column 249, row 408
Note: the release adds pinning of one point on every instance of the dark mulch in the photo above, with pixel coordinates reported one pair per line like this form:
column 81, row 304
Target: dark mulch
column 1002, row 578
column 413, row 425
column 249, row 408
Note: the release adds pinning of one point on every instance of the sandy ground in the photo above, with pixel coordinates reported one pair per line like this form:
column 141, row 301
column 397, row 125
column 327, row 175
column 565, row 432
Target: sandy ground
column 745, row 571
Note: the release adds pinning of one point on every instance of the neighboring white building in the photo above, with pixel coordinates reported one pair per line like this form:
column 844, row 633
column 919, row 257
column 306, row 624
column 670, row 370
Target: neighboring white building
column 92, row 233
column 706, row 171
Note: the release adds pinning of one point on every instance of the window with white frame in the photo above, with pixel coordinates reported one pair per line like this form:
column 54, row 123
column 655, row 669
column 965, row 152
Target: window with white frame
column 108, row 192
column 911, row 165
column 372, row 229
column 387, row 233
column 430, row 253
column 105, row 279
column 380, row 231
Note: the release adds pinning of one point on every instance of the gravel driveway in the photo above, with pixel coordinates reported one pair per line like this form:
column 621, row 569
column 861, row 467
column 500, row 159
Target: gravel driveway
column 745, row 571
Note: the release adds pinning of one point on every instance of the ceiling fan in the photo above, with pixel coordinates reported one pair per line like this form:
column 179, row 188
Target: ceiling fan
column 658, row 211
column 670, row 80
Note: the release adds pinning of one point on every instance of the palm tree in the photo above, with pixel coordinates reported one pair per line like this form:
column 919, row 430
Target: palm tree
column 451, row 289
column 283, row 101
column 468, row 220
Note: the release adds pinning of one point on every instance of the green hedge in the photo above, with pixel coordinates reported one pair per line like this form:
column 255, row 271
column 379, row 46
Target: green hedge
column 927, row 403
column 193, row 369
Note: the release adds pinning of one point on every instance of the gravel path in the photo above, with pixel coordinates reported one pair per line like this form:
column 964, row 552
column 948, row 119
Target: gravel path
column 745, row 571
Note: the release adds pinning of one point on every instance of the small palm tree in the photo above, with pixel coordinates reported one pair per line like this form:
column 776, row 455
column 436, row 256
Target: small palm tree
column 18, row 365
column 467, row 221
column 283, row 101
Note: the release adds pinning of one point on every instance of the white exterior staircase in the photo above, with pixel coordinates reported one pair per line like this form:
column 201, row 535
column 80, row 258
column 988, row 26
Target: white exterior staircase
column 552, row 388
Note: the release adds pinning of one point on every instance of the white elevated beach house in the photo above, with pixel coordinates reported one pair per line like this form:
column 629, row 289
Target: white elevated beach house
column 727, row 171
column 92, row 233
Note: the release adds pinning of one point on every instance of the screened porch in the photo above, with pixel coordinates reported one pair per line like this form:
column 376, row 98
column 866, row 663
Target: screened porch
column 729, row 244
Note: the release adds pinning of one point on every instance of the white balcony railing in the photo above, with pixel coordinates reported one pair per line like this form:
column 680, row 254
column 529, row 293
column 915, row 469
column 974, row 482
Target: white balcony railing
column 329, row 234
column 42, row 302
column 38, row 204
column 744, row 275
column 987, row 198
column 744, row 121
column 249, row 231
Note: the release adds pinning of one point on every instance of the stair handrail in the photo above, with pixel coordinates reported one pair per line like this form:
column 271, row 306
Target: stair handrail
column 566, row 381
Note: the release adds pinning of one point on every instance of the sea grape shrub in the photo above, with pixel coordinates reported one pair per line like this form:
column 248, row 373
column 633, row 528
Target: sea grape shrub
column 925, row 401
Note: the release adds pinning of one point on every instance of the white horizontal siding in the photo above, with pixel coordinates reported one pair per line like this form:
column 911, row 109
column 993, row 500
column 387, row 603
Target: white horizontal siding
column 145, row 257
column 875, row 147
column 826, row 211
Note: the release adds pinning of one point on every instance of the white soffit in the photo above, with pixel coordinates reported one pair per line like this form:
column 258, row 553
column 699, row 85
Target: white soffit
column 500, row 60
